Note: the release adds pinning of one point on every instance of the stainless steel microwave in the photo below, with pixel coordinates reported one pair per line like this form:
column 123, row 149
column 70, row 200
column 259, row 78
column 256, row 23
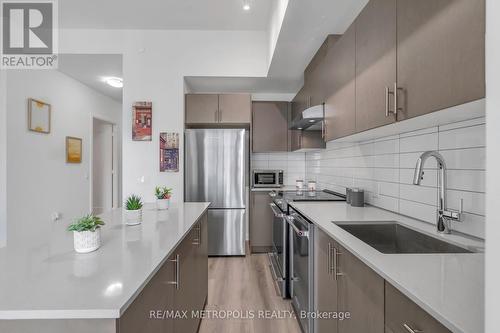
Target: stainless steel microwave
column 267, row 178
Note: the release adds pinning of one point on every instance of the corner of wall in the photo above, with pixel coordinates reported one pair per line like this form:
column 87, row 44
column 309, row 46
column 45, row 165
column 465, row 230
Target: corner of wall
column 3, row 159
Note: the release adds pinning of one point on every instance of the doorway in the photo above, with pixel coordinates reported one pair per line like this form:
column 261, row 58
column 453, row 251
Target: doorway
column 104, row 166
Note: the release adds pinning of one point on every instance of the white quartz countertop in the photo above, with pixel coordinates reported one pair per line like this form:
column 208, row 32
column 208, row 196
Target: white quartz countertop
column 450, row 287
column 46, row 279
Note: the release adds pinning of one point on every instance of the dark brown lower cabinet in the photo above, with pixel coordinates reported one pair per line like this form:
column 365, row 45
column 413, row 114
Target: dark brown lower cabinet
column 361, row 292
column 345, row 284
column 179, row 287
column 261, row 222
column 326, row 292
column 402, row 315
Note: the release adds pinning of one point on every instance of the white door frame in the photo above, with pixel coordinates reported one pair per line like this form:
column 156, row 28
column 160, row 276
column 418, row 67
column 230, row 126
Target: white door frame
column 115, row 201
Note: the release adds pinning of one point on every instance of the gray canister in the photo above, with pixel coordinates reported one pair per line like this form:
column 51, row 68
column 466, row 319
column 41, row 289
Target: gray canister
column 348, row 195
column 357, row 197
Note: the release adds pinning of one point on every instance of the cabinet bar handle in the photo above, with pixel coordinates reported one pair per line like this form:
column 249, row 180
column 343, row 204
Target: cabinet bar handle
column 177, row 262
column 411, row 330
column 336, row 272
column 197, row 240
column 329, row 259
column 388, row 94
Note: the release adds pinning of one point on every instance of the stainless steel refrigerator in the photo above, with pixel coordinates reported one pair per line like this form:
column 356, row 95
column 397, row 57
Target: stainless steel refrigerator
column 216, row 171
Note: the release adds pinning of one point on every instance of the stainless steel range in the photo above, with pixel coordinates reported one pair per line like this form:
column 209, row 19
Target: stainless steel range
column 280, row 255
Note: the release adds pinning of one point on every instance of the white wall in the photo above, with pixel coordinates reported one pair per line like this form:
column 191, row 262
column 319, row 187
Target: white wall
column 384, row 168
column 277, row 15
column 40, row 181
column 102, row 167
column 492, row 291
column 3, row 159
column 154, row 66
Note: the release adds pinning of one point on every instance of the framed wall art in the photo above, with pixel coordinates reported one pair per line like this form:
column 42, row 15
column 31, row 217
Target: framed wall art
column 39, row 116
column 169, row 152
column 73, row 150
column 142, row 121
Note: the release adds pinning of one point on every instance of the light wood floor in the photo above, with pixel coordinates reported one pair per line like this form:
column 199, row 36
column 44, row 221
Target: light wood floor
column 245, row 284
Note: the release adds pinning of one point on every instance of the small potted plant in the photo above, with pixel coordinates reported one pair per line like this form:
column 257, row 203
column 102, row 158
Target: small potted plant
column 87, row 233
column 133, row 211
column 163, row 195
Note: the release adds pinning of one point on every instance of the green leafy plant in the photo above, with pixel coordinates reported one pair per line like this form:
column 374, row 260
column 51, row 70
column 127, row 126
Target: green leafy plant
column 163, row 192
column 133, row 202
column 88, row 222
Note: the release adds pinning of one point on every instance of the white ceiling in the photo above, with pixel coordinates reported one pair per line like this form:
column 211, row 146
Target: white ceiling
column 165, row 14
column 90, row 69
column 305, row 27
column 254, row 85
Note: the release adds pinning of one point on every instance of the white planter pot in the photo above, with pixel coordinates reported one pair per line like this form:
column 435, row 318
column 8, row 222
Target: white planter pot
column 133, row 217
column 162, row 204
column 86, row 241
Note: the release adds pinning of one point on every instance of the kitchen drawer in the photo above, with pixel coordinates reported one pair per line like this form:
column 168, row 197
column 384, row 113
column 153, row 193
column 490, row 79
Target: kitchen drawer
column 400, row 311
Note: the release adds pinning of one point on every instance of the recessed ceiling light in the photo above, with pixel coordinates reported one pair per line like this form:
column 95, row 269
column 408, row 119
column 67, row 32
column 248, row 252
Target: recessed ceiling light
column 115, row 82
column 246, row 5
column 299, row 128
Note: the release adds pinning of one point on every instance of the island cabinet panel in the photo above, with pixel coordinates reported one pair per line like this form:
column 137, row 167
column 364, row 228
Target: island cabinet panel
column 58, row 326
column 261, row 222
column 375, row 64
column 402, row 315
column 269, row 127
column 340, row 106
column 325, row 292
column 172, row 299
column 441, row 54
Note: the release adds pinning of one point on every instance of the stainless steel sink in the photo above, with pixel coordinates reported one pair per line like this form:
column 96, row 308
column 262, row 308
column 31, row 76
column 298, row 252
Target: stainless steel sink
column 392, row 237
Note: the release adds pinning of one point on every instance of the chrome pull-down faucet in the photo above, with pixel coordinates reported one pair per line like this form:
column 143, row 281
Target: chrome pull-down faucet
column 444, row 216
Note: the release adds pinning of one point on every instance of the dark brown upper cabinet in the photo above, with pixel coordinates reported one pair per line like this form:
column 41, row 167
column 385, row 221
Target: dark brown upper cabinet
column 401, row 59
column 270, row 127
column 340, row 71
column 316, row 87
column 202, row 108
column 441, row 54
column 218, row 109
column 375, row 64
column 235, row 108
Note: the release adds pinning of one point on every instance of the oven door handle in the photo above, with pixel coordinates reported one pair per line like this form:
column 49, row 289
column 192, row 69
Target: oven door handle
column 276, row 211
column 301, row 233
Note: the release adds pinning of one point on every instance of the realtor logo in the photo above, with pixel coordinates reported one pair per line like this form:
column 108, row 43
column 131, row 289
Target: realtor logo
column 29, row 34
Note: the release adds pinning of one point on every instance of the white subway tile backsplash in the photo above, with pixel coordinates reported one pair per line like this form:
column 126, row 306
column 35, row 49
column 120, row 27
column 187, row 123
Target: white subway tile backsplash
column 419, row 132
column 467, row 180
column 472, row 159
column 466, row 137
column 418, row 210
column 384, row 168
column 419, row 143
column 293, row 165
column 466, row 123
column 422, row 194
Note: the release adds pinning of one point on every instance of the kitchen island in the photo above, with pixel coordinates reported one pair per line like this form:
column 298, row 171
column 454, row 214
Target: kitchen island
column 449, row 287
column 47, row 287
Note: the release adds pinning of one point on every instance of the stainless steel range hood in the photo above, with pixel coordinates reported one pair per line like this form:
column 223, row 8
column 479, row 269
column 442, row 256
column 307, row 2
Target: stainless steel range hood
column 309, row 119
